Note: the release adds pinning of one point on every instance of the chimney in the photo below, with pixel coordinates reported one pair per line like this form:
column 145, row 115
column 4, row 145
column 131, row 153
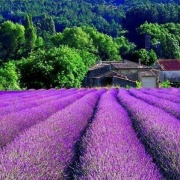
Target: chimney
column 100, row 62
column 147, row 42
column 140, row 63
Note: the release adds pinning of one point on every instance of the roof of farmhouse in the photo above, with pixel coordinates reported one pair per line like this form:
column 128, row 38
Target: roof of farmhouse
column 98, row 66
column 147, row 73
column 127, row 65
column 169, row 64
column 111, row 74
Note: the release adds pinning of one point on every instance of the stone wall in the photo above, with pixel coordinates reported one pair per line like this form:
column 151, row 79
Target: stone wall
column 123, row 82
column 172, row 76
column 131, row 74
column 89, row 81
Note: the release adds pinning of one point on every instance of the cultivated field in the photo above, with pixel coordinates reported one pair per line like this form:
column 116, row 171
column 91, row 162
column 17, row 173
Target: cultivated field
column 90, row 134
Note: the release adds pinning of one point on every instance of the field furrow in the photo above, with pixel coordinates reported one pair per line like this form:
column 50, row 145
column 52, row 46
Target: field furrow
column 111, row 149
column 173, row 98
column 158, row 130
column 14, row 124
column 166, row 105
column 45, row 150
column 90, row 134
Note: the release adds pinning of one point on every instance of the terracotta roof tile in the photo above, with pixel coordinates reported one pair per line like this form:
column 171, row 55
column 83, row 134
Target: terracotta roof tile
column 169, row 64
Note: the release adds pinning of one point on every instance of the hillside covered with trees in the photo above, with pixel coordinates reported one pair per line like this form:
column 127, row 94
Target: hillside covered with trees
column 41, row 41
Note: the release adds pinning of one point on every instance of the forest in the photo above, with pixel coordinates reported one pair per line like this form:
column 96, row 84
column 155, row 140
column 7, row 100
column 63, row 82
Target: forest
column 41, row 41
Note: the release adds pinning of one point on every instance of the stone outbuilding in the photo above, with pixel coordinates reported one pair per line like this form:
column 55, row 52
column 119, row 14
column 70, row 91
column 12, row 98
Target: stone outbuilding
column 169, row 70
column 126, row 73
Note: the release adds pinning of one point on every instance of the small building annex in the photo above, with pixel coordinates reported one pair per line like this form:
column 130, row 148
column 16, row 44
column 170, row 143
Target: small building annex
column 121, row 74
column 169, row 70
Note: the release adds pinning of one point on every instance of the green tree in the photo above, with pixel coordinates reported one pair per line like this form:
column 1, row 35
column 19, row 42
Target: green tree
column 12, row 39
column 88, row 58
column 171, row 47
column 9, row 78
column 165, row 39
column 146, row 57
column 108, row 48
column 39, row 43
column 89, row 39
column 57, row 67
column 46, row 29
column 30, row 34
column 125, row 47
column 75, row 38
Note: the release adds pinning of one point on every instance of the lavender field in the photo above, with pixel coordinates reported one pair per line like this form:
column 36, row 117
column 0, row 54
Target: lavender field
column 90, row 134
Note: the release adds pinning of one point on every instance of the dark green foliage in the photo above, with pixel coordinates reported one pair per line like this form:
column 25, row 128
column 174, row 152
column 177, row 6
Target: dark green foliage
column 66, row 14
column 83, row 32
column 156, row 13
column 45, row 29
column 90, row 40
column 165, row 39
column 146, row 57
column 9, row 78
column 57, row 67
column 125, row 47
column 12, row 39
column 30, row 35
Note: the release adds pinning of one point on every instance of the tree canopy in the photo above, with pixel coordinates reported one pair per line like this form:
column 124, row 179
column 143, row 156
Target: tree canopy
column 58, row 67
column 41, row 35
column 165, row 38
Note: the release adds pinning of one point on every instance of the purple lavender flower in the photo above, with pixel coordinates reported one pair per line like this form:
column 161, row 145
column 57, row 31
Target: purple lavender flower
column 44, row 150
column 158, row 130
column 166, row 105
column 111, row 147
column 21, row 104
column 173, row 98
column 13, row 124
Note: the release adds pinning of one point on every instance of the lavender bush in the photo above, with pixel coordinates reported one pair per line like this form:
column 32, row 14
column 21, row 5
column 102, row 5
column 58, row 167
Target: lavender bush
column 166, row 105
column 158, row 130
column 16, row 106
column 173, row 98
column 13, row 124
column 112, row 150
column 44, row 150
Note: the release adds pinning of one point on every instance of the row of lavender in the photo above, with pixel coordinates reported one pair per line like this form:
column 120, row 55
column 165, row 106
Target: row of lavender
column 24, row 109
column 44, row 150
column 156, row 126
column 14, row 119
column 110, row 148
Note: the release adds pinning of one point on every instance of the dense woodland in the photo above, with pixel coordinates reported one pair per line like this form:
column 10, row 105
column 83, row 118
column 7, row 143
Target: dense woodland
column 51, row 43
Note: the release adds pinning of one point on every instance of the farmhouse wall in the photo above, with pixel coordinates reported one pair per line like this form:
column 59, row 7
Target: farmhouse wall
column 113, row 81
column 89, row 81
column 172, row 76
column 130, row 73
column 123, row 82
column 103, row 81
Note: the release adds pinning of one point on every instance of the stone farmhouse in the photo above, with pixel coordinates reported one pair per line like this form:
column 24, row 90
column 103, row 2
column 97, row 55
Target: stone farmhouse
column 122, row 74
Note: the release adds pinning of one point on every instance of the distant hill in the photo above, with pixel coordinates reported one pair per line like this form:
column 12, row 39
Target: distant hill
column 108, row 16
column 133, row 2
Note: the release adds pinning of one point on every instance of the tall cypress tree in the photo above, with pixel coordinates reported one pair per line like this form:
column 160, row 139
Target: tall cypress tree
column 52, row 29
column 30, row 34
